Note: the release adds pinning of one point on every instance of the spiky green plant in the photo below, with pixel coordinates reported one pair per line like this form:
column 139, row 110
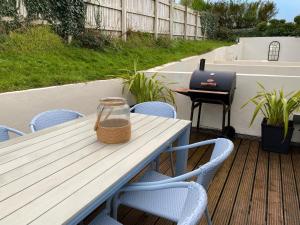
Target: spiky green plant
column 147, row 88
column 275, row 106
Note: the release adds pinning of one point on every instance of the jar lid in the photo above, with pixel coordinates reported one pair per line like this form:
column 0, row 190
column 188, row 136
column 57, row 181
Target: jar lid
column 113, row 101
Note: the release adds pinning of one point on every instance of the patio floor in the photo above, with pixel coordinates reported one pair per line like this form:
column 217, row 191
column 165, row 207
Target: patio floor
column 252, row 187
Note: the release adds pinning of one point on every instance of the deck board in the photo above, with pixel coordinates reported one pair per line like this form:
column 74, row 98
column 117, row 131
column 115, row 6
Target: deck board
column 253, row 187
column 257, row 214
column 223, row 211
column 275, row 206
column 242, row 203
column 290, row 198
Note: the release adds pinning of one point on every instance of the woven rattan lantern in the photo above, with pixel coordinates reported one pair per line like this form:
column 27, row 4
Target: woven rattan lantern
column 113, row 121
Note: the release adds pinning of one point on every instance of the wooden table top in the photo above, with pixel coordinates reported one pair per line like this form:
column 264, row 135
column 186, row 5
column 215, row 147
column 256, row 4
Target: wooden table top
column 50, row 176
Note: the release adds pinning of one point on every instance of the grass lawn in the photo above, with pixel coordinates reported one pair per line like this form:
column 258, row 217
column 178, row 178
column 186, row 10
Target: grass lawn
column 38, row 58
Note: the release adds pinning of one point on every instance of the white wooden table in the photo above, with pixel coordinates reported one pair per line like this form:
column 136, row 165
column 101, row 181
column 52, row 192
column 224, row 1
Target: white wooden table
column 59, row 175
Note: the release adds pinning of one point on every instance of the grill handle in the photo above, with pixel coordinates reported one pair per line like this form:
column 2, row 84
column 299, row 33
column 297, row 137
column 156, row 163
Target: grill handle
column 202, row 65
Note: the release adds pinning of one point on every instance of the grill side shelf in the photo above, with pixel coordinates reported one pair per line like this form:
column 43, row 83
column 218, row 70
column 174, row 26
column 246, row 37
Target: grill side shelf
column 186, row 91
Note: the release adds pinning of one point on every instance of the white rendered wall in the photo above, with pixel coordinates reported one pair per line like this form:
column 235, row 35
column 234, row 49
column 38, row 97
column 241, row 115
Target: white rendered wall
column 18, row 108
column 211, row 116
column 256, row 48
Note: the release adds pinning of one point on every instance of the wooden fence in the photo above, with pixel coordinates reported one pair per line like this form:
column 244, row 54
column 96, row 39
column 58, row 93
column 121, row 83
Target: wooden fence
column 159, row 17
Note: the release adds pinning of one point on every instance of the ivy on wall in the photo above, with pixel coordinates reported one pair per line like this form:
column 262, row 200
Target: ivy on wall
column 67, row 16
column 8, row 8
column 9, row 17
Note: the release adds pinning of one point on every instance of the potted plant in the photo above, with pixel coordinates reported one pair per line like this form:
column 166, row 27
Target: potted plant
column 277, row 108
column 147, row 88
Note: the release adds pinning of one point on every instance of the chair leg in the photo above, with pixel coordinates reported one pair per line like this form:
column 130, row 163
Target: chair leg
column 209, row 222
column 172, row 164
column 108, row 205
column 157, row 164
column 115, row 206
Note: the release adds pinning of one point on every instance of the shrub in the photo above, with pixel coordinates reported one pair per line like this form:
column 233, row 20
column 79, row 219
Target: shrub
column 3, row 38
column 39, row 38
column 147, row 88
column 137, row 38
column 297, row 20
column 164, row 42
column 225, row 34
column 95, row 39
column 262, row 27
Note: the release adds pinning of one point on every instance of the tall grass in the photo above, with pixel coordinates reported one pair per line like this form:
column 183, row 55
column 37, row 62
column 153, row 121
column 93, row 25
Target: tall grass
column 37, row 57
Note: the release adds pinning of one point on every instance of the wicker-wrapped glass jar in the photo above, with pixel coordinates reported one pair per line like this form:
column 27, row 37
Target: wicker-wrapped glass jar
column 113, row 122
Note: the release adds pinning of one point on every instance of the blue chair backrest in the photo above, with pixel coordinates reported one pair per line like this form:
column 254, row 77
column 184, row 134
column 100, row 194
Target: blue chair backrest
column 155, row 108
column 52, row 118
column 222, row 150
column 4, row 133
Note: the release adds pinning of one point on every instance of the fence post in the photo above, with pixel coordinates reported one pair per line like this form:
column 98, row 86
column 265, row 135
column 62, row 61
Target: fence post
column 156, row 4
column 185, row 22
column 171, row 18
column 197, row 24
column 124, row 20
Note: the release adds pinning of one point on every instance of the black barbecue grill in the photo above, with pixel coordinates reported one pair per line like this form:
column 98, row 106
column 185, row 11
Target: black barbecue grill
column 212, row 87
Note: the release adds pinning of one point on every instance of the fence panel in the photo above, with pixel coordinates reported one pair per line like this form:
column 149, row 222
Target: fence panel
column 139, row 15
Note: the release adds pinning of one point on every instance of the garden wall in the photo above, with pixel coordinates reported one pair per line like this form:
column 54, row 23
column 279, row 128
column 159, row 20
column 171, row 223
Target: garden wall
column 18, row 108
column 256, row 48
column 246, row 88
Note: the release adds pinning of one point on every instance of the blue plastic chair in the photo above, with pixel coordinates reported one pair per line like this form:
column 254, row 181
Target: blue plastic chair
column 168, row 203
column 190, row 209
column 52, row 118
column 4, row 133
column 156, row 108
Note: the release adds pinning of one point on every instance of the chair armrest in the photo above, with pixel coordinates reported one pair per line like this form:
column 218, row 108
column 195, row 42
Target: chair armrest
column 132, row 108
column 197, row 144
column 181, row 178
column 32, row 128
column 155, row 187
column 15, row 131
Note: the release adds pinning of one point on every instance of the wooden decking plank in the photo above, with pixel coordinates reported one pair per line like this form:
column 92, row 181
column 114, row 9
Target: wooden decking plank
column 242, row 203
column 162, row 221
column 289, row 192
column 275, row 206
column 257, row 214
column 296, row 167
column 224, row 208
column 216, row 187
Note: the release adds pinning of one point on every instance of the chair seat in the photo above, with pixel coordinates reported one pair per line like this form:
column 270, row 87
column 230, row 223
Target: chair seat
column 157, row 202
column 104, row 219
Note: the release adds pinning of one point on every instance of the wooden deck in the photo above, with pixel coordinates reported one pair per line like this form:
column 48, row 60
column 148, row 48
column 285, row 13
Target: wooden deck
column 253, row 187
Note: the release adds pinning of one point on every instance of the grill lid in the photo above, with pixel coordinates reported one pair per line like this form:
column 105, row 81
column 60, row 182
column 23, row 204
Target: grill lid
column 213, row 81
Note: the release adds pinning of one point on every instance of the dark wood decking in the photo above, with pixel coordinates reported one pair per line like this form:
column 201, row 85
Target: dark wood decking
column 253, row 187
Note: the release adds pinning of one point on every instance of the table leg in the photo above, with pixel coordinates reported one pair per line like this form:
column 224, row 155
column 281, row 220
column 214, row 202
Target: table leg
column 182, row 156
